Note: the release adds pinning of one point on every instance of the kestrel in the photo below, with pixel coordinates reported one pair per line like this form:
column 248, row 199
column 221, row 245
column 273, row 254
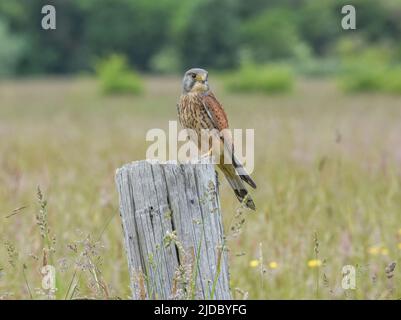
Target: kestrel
column 199, row 109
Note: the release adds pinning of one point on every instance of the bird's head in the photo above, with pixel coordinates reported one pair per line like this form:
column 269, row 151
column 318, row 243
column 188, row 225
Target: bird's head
column 195, row 80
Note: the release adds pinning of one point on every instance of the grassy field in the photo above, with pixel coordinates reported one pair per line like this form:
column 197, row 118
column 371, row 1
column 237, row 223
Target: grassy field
column 328, row 169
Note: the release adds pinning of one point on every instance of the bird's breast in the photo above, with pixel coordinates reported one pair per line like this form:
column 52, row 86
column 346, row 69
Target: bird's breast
column 191, row 112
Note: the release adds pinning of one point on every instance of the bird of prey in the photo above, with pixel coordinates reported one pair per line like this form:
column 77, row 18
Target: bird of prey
column 198, row 109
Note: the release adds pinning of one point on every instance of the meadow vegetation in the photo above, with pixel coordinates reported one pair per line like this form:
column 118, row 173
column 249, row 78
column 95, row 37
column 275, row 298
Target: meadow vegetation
column 327, row 166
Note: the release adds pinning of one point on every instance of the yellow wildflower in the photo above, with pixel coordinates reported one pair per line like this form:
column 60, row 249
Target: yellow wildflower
column 254, row 263
column 399, row 246
column 273, row 265
column 375, row 250
column 314, row 263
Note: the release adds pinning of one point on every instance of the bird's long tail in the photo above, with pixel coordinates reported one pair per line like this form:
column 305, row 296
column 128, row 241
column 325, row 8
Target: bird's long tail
column 237, row 185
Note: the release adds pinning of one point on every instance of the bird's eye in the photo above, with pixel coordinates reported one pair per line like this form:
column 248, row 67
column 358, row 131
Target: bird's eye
column 193, row 76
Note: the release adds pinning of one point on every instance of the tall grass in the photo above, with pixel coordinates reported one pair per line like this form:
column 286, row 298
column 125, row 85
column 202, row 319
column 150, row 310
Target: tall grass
column 325, row 162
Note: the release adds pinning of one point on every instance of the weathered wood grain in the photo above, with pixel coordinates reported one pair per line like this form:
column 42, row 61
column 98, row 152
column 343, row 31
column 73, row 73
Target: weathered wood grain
column 173, row 230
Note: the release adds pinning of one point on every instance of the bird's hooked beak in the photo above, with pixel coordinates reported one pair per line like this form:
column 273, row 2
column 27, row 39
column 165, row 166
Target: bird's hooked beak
column 202, row 78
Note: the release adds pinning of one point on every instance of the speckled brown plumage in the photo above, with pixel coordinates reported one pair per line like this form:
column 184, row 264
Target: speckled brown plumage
column 199, row 109
column 193, row 114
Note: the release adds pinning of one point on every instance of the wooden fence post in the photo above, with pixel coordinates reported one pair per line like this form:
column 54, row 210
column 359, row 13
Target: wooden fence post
column 173, row 231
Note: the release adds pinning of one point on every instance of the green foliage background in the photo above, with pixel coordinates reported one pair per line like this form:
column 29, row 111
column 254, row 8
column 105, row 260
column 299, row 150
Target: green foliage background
column 172, row 35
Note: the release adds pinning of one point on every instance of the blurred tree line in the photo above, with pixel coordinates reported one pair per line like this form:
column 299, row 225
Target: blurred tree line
column 171, row 35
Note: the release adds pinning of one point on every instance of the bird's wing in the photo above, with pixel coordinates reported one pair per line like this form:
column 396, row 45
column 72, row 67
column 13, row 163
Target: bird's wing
column 219, row 120
column 215, row 111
